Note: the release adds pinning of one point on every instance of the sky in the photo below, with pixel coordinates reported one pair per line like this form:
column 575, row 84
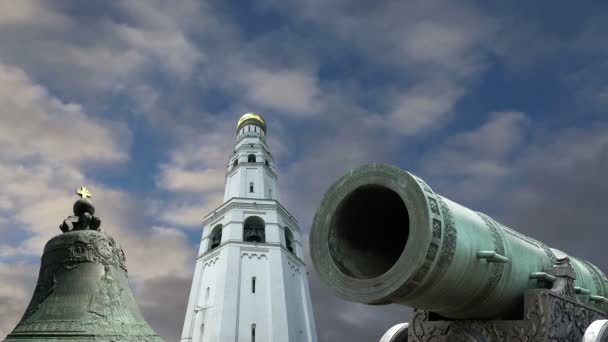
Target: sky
column 499, row 106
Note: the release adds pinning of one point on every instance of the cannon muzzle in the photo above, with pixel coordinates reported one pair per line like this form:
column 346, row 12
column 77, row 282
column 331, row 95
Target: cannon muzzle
column 382, row 235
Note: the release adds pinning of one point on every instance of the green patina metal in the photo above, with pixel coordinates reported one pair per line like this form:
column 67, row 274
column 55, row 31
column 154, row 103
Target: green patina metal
column 82, row 292
column 455, row 262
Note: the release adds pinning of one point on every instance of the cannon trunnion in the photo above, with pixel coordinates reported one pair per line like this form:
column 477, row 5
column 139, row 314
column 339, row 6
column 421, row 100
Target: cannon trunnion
column 382, row 235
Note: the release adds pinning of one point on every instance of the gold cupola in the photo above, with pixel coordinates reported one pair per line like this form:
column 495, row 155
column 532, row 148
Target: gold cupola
column 251, row 119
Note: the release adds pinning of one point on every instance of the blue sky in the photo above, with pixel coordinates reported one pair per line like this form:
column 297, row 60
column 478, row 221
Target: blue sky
column 500, row 107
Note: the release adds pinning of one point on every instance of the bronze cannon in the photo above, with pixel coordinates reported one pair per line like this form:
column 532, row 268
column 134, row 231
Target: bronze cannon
column 382, row 235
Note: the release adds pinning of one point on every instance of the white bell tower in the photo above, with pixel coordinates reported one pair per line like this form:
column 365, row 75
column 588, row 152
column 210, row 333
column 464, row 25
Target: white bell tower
column 250, row 282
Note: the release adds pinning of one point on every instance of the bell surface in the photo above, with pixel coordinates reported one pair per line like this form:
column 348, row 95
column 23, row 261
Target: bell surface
column 83, row 294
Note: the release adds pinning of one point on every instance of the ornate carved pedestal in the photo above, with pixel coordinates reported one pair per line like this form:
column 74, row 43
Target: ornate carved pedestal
column 550, row 315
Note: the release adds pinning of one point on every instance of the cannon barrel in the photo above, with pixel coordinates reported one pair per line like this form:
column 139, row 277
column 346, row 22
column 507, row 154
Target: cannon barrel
column 381, row 235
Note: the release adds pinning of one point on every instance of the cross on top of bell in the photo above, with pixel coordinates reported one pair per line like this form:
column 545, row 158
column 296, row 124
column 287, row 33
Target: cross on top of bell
column 83, row 192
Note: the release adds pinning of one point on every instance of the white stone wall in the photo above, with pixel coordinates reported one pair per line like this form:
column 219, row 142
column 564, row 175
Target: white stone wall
column 280, row 308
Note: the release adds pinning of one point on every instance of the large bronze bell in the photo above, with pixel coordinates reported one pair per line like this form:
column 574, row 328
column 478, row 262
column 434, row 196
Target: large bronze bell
column 82, row 292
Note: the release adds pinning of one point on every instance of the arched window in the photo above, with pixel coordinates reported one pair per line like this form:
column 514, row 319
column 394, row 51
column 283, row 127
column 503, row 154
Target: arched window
column 254, row 229
column 235, row 162
column 216, row 236
column 251, row 187
column 253, row 332
column 289, row 240
column 251, row 158
column 253, row 285
column 266, row 162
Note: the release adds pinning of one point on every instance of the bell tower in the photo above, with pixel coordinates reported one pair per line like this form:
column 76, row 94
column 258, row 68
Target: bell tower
column 250, row 281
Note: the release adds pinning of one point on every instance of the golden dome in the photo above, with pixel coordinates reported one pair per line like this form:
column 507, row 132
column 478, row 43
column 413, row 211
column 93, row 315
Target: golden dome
column 251, row 118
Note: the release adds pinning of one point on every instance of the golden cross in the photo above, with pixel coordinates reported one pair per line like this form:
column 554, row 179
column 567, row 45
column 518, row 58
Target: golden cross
column 83, row 192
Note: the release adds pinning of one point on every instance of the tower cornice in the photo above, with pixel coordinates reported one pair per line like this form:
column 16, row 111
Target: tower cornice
column 235, row 168
column 250, row 135
column 245, row 147
column 252, row 204
column 250, row 247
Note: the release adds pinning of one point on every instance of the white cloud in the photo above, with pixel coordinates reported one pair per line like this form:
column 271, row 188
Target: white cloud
column 438, row 48
column 182, row 180
column 475, row 163
column 291, row 92
column 170, row 48
column 188, row 214
column 197, row 164
column 422, row 37
column 28, row 12
column 194, row 175
column 43, row 143
column 425, row 107
column 497, row 137
column 36, row 124
column 439, row 42
column 98, row 53
column 159, row 252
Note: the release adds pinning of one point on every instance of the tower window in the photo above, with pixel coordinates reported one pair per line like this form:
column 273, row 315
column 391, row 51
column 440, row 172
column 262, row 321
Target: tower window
column 288, row 240
column 235, row 162
column 253, row 332
column 216, row 236
column 251, row 158
column 254, row 229
column 253, row 285
column 266, row 162
column 207, row 294
column 251, row 187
